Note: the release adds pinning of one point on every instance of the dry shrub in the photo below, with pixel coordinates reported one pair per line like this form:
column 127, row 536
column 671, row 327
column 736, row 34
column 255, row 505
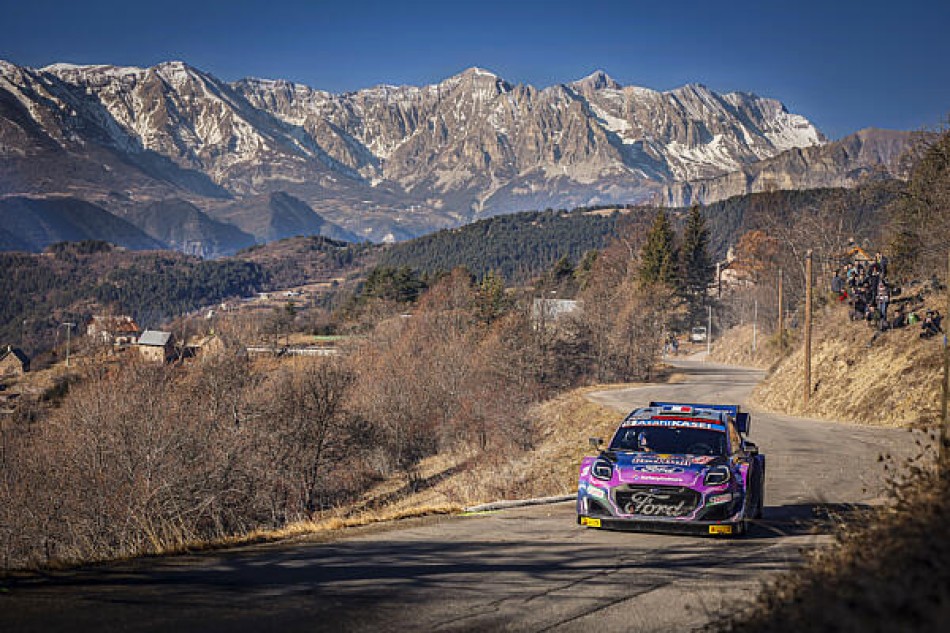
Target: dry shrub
column 140, row 458
column 625, row 321
column 143, row 458
column 889, row 569
column 443, row 377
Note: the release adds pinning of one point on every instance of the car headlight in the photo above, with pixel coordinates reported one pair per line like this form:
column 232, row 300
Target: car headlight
column 602, row 470
column 717, row 476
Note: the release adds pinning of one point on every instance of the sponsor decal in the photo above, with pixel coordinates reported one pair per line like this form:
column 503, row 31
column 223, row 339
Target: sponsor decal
column 687, row 424
column 723, row 498
column 703, row 459
column 659, row 478
column 658, row 468
column 590, row 522
column 660, row 459
column 656, row 504
column 597, row 493
column 585, row 471
column 720, row 529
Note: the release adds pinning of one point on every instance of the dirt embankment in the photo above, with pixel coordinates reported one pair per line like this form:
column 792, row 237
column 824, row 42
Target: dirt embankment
column 860, row 375
column 745, row 346
column 888, row 569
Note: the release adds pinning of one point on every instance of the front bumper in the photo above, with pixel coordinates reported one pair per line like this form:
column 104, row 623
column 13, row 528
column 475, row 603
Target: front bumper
column 715, row 528
column 704, row 514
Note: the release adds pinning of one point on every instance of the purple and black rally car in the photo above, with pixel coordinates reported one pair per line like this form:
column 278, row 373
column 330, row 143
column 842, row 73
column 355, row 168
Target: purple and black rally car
column 678, row 467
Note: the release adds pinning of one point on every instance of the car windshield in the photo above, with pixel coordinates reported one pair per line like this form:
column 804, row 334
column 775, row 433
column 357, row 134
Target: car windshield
column 669, row 439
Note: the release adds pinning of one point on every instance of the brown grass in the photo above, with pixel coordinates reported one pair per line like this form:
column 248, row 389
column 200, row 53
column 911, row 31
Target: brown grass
column 734, row 347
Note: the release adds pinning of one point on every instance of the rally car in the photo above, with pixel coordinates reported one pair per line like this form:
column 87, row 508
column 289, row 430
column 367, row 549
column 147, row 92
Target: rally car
column 675, row 467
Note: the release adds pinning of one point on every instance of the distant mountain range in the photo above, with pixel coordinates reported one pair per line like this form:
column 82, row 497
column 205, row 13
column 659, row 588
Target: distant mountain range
column 207, row 167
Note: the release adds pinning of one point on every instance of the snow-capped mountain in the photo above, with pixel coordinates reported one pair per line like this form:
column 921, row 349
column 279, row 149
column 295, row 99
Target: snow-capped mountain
column 398, row 160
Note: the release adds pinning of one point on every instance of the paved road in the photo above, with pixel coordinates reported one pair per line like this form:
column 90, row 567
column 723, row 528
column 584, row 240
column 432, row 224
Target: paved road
column 528, row 569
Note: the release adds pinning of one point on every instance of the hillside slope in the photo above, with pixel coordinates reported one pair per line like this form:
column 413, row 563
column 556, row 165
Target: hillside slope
column 859, row 375
column 35, row 223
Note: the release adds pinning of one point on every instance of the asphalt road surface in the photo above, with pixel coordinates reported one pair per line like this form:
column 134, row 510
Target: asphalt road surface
column 526, row 569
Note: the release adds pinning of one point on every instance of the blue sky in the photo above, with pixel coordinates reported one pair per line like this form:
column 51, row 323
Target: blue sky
column 843, row 64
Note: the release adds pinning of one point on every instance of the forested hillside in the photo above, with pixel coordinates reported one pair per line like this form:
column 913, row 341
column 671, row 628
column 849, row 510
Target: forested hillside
column 71, row 281
column 518, row 246
column 523, row 245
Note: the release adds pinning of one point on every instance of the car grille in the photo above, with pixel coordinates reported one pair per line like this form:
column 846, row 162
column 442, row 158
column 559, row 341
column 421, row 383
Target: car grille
column 656, row 501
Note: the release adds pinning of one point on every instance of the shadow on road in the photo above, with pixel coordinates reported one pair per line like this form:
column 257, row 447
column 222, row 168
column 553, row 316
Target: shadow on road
column 363, row 585
column 805, row 518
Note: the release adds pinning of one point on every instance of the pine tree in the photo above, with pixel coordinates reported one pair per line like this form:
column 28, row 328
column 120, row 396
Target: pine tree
column 490, row 299
column 658, row 257
column 697, row 271
column 586, row 268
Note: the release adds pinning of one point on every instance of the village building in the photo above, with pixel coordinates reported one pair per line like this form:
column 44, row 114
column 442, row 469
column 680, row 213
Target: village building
column 212, row 345
column 156, row 346
column 113, row 330
column 13, row 362
column 550, row 310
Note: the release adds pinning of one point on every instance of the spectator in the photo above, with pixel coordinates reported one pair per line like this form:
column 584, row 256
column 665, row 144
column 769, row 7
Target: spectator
column 931, row 325
column 899, row 319
column 860, row 306
column 883, row 298
column 871, row 282
column 881, row 262
column 852, row 274
column 837, row 284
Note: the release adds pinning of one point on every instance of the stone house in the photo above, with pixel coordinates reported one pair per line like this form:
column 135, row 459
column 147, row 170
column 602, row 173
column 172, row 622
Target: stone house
column 13, row 362
column 115, row 330
column 156, row 346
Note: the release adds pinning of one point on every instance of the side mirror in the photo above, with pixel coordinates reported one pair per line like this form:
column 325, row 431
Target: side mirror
column 596, row 442
column 750, row 448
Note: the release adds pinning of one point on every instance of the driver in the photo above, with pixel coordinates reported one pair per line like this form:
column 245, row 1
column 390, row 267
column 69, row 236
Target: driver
column 643, row 443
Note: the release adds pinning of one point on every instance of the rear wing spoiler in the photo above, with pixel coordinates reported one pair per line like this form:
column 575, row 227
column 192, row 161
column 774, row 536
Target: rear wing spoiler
column 742, row 419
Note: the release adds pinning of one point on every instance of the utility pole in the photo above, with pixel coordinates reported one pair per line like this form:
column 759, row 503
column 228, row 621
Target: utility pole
column 708, row 332
column 69, row 327
column 781, row 313
column 719, row 280
column 755, row 323
column 944, row 420
column 808, row 289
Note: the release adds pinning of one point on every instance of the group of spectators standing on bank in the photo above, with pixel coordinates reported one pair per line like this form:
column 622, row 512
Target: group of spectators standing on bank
column 864, row 286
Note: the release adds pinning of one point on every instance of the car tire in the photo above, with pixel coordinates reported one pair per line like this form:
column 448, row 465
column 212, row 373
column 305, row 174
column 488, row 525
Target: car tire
column 759, row 497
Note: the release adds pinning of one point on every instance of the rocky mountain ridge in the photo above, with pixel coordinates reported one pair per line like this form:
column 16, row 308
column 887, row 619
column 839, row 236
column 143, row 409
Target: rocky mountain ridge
column 866, row 155
column 388, row 162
